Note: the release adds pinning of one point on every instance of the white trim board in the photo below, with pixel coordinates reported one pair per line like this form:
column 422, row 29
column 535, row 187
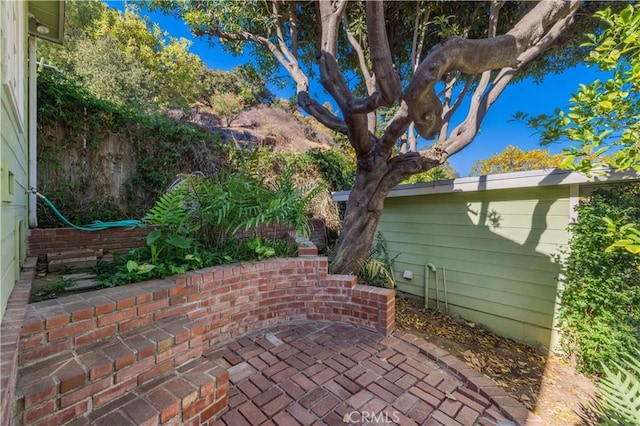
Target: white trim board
column 534, row 178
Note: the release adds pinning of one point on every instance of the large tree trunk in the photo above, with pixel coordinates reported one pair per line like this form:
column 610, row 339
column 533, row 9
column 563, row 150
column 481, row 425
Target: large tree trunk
column 361, row 218
column 376, row 176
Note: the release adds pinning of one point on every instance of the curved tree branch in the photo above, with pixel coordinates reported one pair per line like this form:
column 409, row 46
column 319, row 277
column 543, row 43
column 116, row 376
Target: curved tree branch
column 290, row 63
column 419, row 32
column 395, row 129
column 292, row 67
column 485, row 78
column 387, row 79
column 330, row 76
column 475, row 56
column 463, row 135
column 449, row 109
column 400, row 167
column 333, row 80
column 293, row 29
column 291, row 58
column 320, row 113
column 369, row 79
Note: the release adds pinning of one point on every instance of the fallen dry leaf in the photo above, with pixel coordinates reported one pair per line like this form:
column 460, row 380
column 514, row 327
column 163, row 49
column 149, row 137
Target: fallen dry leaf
column 521, row 370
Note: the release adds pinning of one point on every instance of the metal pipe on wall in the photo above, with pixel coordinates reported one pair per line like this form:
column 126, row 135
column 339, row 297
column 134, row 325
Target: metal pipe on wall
column 427, row 267
column 444, row 285
column 33, row 141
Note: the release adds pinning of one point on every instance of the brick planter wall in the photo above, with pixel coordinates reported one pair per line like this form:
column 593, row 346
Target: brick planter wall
column 121, row 240
column 80, row 355
column 113, row 240
column 239, row 298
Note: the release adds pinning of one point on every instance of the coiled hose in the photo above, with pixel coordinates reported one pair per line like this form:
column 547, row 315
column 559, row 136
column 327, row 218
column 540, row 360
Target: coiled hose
column 95, row 226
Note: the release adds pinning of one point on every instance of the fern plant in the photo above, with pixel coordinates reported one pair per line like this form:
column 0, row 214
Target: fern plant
column 289, row 203
column 168, row 211
column 618, row 394
column 204, row 212
column 378, row 268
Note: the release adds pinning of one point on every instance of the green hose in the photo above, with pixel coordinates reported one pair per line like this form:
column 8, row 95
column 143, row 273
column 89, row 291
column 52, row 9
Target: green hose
column 95, row 226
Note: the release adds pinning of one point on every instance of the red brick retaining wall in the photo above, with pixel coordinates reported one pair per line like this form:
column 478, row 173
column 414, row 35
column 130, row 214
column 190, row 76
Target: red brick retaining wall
column 113, row 240
column 121, row 240
column 230, row 300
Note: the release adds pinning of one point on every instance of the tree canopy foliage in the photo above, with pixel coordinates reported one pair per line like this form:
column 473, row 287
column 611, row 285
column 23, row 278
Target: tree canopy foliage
column 603, row 118
column 514, row 159
column 420, row 59
column 124, row 59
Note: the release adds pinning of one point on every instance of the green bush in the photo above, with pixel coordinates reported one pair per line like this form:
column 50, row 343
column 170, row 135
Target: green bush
column 336, row 167
column 600, row 308
column 307, row 170
column 205, row 209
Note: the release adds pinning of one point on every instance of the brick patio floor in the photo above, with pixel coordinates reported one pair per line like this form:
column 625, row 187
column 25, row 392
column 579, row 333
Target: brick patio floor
column 332, row 373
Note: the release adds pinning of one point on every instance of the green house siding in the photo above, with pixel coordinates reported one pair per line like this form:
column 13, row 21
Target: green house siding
column 499, row 250
column 13, row 146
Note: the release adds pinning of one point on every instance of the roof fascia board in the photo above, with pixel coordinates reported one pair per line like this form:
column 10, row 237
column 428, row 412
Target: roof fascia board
column 528, row 179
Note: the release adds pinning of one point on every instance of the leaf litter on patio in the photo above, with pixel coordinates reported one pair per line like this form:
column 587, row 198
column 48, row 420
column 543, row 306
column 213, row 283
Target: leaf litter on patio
column 544, row 385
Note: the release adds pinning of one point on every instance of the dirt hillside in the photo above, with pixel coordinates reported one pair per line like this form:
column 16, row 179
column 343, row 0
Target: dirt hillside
column 266, row 126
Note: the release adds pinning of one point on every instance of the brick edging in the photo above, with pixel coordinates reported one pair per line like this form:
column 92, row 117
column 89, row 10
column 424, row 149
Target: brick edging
column 476, row 381
column 10, row 328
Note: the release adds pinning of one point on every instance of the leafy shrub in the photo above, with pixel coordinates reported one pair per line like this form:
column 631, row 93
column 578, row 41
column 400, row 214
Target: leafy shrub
column 599, row 312
column 196, row 225
column 227, row 106
column 205, row 208
column 266, row 166
column 336, row 167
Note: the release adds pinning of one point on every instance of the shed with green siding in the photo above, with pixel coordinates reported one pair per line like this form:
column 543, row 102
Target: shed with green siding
column 497, row 241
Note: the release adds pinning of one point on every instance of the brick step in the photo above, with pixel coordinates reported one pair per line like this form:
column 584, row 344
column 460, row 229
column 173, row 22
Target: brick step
column 189, row 395
column 93, row 375
column 69, row 323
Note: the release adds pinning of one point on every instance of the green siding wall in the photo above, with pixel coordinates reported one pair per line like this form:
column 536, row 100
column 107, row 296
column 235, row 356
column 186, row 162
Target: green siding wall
column 500, row 252
column 13, row 160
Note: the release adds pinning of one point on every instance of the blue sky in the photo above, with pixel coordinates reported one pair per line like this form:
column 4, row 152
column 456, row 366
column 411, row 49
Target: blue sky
column 497, row 130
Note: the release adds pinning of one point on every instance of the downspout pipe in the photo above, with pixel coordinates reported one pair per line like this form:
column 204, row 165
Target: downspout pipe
column 33, row 139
